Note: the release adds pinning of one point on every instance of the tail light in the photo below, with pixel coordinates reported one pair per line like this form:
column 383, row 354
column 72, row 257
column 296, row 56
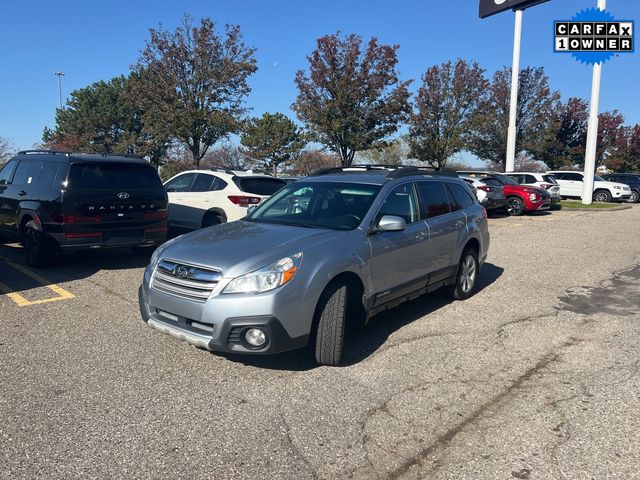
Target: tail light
column 546, row 186
column 485, row 189
column 156, row 230
column 156, row 215
column 484, row 213
column 71, row 236
column 57, row 218
column 244, row 201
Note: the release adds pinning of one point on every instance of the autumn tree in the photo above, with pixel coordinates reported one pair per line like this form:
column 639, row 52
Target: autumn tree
column 562, row 145
column 610, row 128
column 352, row 98
column 228, row 156
column 310, row 160
column 192, row 83
column 272, row 140
column 535, row 105
column 393, row 153
column 626, row 155
column 445, row 106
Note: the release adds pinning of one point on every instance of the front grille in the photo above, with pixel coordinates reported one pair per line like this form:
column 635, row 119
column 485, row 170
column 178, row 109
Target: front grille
column 185, row 281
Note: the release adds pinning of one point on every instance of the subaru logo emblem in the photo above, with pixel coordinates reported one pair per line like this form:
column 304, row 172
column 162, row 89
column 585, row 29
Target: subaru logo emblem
column 181, row 271
column 123, row 195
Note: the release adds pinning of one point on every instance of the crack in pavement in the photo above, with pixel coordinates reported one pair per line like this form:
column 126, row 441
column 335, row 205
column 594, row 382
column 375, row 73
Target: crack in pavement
column 423, row 455
column 294, row 447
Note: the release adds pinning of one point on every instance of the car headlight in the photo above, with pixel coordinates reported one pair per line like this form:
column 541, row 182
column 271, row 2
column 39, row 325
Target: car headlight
column 533, row 197
column 616, row 187
column 272, row 276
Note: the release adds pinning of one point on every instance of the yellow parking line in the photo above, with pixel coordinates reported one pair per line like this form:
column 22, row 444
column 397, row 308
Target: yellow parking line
column 23, row 302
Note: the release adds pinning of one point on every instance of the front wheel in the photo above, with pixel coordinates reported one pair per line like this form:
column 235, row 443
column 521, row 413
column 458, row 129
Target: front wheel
column 635, row 197
column 331, row 316
column 602, row 196
column 515, row 206
column 468, row 270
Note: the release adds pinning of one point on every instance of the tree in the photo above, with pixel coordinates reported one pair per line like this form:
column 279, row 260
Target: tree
column 272, row 139
column 311, row 160
column 535, row 104
column 97, row 120
column 352, row 99
column 6, row 150
column 610, row 128
column 445, row 106
column 563, row 143
column 392, row 154
column 626, row 156
column 192, row 83
column 226, row 156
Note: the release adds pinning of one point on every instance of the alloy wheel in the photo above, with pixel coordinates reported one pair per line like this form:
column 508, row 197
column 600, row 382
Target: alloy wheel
column 468, row 274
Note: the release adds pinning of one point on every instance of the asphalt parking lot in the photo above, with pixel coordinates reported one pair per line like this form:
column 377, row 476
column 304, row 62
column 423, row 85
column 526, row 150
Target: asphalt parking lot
column 536, row 376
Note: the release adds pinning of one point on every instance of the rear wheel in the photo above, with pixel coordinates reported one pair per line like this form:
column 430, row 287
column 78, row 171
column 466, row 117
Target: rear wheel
column 515, row 206
column 466, row 279
column 36, row 247
column 211, row 219
column 330, row 318
column 601, row 196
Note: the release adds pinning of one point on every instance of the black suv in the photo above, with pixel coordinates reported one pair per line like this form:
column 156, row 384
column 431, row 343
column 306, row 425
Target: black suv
column 57, row 201
column 631, row 179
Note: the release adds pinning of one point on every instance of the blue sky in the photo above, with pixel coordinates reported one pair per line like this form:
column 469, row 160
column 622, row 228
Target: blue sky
column 91, row 41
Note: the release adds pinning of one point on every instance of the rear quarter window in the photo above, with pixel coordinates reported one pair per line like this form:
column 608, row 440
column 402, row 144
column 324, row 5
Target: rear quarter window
column 113, row 176
column 259, row 185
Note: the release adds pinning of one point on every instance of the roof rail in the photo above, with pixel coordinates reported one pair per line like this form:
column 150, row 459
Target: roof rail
column 351, row 168
column 125, row 155
column 405, row 171
column 54, row 152
column 222, row 169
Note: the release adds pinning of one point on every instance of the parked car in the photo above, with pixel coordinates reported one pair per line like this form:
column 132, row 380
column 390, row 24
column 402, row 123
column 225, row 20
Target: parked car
column 630, row 179
column 294, row 272
column 540, row 180
column 201, row 198
column 571, row 185
column 490, row 197
column 57, row 201
column 520, row 198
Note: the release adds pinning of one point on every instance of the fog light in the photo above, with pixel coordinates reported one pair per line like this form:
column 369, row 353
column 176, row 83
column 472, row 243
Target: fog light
column 255, row 337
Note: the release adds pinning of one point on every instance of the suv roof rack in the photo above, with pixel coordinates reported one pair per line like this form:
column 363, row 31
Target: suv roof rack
column 54, row 152
column 125, row 155
column 405, row 171
column 351, row 168
column 223, row 170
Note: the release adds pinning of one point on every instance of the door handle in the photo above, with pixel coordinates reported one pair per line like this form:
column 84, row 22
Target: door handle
column 459, row 223
column 420, row 236
column 22, row 193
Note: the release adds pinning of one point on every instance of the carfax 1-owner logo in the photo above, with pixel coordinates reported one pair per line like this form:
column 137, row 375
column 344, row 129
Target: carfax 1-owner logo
column 593, row 36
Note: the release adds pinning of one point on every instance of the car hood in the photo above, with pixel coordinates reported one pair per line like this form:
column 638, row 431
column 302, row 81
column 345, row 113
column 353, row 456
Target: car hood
column 240, row 247
column 606, row 183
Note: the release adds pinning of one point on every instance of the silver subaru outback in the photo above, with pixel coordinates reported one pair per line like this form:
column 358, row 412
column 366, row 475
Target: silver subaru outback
column 331, row 249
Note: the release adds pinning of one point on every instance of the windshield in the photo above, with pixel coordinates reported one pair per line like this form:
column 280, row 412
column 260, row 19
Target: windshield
column 598, row 179
column 332, row 205
column 504, row 179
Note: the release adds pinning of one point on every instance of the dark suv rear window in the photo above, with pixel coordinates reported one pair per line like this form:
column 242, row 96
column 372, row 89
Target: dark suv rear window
column 259, row 185
column 113, row 176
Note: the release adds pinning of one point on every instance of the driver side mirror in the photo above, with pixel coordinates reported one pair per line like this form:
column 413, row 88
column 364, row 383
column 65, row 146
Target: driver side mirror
column 391, row 223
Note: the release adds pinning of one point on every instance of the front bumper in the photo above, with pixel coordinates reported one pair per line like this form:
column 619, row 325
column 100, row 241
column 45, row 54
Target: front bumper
column 223, row 334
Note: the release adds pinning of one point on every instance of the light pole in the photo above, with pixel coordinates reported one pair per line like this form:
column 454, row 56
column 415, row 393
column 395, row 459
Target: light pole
column 59, row 75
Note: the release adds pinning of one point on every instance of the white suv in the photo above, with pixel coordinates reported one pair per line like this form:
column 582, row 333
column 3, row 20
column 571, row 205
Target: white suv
column 201, row 198
column 571, row 183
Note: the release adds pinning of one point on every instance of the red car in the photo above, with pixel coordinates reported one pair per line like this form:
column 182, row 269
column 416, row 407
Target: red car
column 520, row 198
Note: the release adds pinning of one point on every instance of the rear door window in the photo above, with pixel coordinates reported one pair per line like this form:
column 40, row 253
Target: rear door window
column 259, row 185
column 24, row 173
column 113, row 176
column 434, row 200
column 6, row 174
column 529, row 179
column 461, row 196
column 181, row 183
column 202, row 183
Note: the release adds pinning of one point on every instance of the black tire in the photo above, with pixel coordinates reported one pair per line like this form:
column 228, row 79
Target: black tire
column 466, row 281
column 601, row 196
column 331, row 315
column 515, row 206
column 211, row 219
column 36, row 247
column 635, row 197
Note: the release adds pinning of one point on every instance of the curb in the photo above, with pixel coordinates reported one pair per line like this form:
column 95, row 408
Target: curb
column 612, row 209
